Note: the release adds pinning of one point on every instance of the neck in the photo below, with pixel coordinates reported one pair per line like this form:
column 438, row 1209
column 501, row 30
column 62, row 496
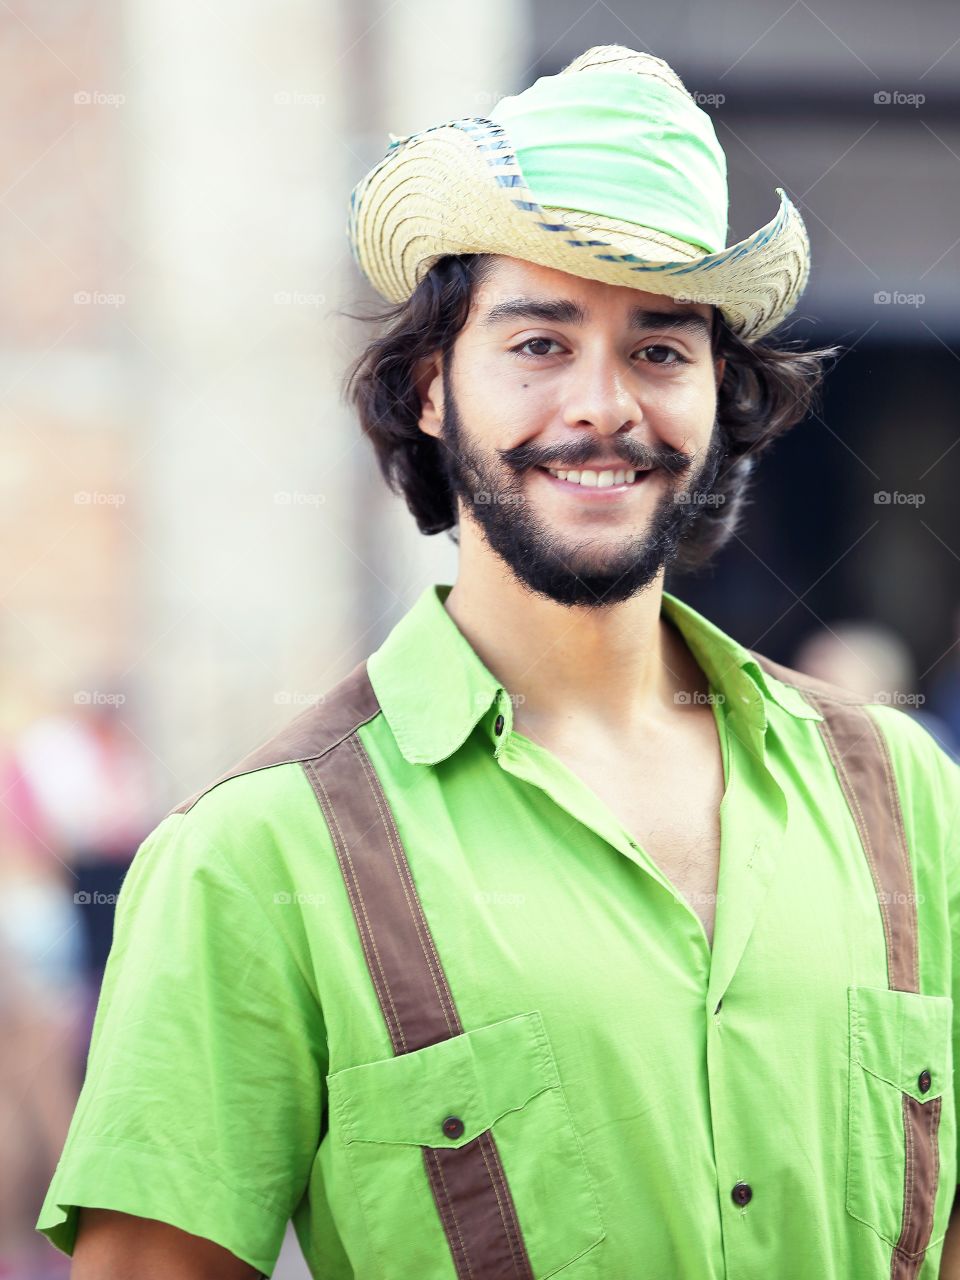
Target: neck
column 612, row 668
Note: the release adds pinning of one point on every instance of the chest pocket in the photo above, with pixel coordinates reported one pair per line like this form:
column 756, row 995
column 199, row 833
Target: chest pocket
column 901, row 1152
column 394, row 1120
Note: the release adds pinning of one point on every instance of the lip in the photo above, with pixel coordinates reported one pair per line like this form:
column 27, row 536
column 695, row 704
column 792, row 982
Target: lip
column 591, row 493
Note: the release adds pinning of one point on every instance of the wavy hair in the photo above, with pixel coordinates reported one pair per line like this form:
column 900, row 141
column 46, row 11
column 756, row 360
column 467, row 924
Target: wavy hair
column 767, row 387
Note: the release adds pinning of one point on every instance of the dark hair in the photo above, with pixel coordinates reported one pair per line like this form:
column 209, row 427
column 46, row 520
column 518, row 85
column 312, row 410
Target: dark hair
column 766, row 389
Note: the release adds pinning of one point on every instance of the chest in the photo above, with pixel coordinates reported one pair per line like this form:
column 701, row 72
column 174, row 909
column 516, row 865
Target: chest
column 666, row 794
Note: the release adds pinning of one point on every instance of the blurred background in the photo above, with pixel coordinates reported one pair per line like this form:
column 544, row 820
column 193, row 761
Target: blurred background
column 196, row 541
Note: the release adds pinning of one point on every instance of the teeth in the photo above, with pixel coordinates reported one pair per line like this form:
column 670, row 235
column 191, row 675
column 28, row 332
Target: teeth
column 595, row 479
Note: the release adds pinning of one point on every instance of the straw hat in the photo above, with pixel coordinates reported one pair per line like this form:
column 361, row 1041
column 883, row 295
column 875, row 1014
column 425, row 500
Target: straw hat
column 608, row 170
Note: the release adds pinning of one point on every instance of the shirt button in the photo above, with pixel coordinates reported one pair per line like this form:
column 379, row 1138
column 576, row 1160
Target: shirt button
column 924, row 1081
column 498, row 725
column 742, row 1193
column 453, row 1126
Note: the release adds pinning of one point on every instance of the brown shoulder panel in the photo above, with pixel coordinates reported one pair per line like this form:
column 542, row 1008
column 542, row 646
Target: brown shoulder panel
column 316, row 730
column 807, row 684
column 862, row 761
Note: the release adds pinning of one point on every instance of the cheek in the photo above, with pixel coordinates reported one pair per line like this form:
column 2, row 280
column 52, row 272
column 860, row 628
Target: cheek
column 683, row 415
column 505, row 409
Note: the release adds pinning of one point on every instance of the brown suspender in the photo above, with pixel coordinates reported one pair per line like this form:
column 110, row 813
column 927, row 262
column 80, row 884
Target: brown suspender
column 863, row 766
column 468, row 1182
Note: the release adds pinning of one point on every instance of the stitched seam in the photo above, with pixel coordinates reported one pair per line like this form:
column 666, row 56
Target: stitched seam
column 453, row 1214
column 931, row 1112
column 495, row 1175
column 909, row 1175
column 398, row 861
column 935, row 1142
column 446, row 993
column 901, row 843
column 854, row 801
column 445, row 1210
column 413, row 902
column 918, row 1231
column 353, row 888
column 446, row 1214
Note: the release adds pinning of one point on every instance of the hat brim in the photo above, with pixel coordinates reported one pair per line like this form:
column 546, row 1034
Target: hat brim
column 458, row 188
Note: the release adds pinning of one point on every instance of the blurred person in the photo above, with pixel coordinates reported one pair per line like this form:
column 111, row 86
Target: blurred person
column 95, row 788
column 565, row 930
column 876, row 664
column 945, row 684
column 41, row 1014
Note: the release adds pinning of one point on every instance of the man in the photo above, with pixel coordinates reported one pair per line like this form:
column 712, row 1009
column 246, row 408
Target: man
column 567, row 934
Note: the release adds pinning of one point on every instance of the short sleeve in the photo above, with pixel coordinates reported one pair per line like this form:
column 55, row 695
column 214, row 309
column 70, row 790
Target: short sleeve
column 202, row 1104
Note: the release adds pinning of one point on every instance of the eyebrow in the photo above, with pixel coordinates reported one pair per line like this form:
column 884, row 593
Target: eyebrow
column 568, row 311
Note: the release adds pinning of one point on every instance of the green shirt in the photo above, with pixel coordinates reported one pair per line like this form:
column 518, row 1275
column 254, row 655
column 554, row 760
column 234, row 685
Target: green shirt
column 237, row 1002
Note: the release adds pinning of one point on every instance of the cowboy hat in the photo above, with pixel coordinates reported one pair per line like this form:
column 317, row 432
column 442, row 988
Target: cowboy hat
column 608, row 170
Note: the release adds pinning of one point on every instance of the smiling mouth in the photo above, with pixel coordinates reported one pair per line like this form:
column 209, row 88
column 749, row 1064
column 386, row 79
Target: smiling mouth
column 592, row 478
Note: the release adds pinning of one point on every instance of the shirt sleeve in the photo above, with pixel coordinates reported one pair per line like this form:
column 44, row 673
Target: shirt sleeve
column 202, row 1103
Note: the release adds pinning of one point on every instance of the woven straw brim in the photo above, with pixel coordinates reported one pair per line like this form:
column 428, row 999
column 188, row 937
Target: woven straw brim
column 457, row 188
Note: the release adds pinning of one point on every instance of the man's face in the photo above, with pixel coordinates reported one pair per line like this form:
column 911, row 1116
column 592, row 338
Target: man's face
column 553, row 371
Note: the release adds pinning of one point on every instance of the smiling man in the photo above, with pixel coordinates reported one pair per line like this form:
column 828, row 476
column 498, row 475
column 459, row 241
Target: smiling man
column 567, row 934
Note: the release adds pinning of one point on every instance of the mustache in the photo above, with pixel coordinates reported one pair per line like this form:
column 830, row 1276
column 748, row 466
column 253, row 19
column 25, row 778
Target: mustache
column 633, row 454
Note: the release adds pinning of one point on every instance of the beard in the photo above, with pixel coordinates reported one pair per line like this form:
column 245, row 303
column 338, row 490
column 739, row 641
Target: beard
column 591, row 573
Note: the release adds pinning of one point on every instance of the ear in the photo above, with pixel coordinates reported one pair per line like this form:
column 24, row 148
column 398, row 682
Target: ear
column 428, row 380
column 718, row 367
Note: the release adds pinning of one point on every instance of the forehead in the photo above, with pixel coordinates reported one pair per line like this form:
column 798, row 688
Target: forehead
column 514, row 277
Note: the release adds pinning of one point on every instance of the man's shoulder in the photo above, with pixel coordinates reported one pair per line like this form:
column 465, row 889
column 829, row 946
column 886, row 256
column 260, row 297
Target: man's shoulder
column 309, row 735
column 918, row 759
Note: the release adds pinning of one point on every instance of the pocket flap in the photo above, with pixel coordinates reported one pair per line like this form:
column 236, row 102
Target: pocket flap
column 898, row 1035
column 476, row 1076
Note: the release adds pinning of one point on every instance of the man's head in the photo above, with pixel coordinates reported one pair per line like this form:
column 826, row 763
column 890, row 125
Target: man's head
column 498, row 368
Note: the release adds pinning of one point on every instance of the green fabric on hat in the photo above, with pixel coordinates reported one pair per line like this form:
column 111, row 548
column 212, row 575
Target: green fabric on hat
column 622, row 145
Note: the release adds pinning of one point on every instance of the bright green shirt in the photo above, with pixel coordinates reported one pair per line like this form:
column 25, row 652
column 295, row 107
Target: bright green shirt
column 237, row 1002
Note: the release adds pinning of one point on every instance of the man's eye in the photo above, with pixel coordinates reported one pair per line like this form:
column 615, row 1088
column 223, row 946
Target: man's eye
column 664, row 352
column 532, row 355
column 670, row 351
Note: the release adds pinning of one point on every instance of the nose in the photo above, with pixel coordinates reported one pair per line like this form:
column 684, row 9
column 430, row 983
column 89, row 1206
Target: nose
column 599, row 394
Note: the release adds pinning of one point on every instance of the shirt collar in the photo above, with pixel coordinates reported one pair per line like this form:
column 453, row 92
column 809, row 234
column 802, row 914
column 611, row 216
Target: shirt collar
column 434, row 689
